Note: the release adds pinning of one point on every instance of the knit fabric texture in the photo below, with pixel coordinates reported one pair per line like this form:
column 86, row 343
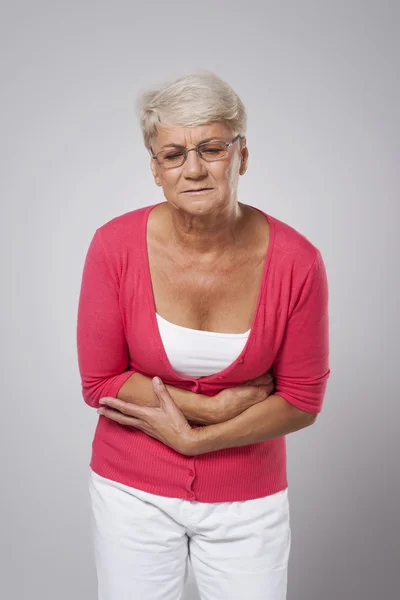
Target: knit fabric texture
column 117, row 335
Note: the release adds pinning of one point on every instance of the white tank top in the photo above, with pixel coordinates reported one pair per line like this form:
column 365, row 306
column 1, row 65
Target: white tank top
column 195, row 353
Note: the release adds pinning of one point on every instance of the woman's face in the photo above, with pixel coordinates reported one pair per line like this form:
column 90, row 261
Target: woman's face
column 220, row 176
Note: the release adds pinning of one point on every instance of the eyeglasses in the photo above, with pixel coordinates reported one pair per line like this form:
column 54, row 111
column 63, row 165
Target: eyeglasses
column 208, row 151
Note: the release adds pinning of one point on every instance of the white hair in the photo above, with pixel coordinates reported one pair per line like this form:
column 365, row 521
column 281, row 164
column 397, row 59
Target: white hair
column 199, row 98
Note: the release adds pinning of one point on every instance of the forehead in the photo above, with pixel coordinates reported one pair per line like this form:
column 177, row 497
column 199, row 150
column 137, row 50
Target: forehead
column 187, row 136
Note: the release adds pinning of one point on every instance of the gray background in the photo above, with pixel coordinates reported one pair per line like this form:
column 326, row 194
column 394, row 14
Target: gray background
column 320, row 82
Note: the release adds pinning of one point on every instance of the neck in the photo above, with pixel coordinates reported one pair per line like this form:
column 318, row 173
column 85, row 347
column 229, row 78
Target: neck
column 208, row 234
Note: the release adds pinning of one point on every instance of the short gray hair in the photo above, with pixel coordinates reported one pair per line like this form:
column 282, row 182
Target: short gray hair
column 199, row 98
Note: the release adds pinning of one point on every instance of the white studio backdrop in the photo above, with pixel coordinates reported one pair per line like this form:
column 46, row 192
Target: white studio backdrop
column 320, row 84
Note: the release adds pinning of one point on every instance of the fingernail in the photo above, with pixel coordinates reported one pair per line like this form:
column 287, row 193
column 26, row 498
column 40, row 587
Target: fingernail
column 102, row 401
column 157, row 380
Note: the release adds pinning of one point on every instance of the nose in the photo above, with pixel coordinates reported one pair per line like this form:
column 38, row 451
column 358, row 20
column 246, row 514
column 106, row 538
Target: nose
column 194, row 165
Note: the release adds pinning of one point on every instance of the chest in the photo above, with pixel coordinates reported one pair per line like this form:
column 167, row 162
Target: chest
column 219, row 296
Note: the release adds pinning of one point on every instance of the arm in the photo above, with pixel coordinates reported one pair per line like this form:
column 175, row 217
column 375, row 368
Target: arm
column 197, row 408
column 301, row 371
column 268, row 419
column 103, row 355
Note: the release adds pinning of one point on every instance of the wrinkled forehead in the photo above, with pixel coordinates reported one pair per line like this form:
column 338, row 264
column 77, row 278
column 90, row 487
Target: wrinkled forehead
column 190, row 136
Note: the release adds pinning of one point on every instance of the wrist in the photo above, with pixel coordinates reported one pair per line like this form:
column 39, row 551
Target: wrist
column 190, row 445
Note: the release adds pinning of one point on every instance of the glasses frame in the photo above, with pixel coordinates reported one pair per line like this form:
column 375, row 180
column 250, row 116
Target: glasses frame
column 198, row 152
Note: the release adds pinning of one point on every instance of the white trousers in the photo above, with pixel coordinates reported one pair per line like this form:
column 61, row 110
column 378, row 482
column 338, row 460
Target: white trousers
column 142, row 544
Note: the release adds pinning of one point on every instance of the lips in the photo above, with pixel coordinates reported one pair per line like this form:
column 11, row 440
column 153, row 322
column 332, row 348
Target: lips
column 198, row 190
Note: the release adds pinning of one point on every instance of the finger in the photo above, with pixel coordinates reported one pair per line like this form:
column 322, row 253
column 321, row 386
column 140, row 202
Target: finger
column 173, row 412
column 118, row 417
column 121, row 418
column 250, row 382
column 260, row 380
column 256, row 381
column 126, row 407
column 160, row 389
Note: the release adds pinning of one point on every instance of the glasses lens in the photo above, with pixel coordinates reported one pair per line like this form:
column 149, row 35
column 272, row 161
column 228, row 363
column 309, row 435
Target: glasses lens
column 171, row 158
column 213, row 150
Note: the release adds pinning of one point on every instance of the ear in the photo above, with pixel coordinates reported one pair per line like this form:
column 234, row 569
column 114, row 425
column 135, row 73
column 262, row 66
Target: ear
column 244, row 157
column 153, row 168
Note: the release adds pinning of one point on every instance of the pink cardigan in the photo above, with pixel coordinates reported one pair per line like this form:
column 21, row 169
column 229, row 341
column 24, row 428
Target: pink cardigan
column 117, row 334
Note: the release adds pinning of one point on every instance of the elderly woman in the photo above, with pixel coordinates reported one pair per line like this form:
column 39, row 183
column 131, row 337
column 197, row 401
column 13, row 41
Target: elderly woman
column 202, row 342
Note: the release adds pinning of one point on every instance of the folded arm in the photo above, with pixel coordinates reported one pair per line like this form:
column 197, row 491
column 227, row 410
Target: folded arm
column 197, row 408
column 103, row 352
column 301, row 371
column 268, row 419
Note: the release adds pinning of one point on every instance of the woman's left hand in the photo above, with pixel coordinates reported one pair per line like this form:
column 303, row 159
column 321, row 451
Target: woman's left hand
column 165, row 423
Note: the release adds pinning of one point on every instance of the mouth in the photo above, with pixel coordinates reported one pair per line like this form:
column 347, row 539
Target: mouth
column 198, row 191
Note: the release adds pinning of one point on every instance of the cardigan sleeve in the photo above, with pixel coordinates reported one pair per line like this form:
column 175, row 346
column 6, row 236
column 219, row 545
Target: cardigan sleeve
column 103, row 355
column 301, row 368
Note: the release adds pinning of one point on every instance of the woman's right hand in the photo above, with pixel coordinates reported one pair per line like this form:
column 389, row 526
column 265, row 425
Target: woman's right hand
column 233, row 401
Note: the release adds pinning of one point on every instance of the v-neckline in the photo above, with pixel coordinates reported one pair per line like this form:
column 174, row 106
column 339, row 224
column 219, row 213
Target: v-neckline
column 157, row 335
